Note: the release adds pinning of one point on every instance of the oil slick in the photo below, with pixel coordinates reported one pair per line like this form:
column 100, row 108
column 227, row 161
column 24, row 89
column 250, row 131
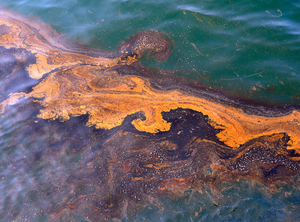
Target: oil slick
column 137, row 139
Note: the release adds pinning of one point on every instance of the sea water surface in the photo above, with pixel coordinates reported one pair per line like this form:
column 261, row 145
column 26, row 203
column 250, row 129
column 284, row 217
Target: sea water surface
column 249, row 50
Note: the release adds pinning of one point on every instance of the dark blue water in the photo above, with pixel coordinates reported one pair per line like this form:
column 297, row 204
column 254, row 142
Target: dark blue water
column 247, row 49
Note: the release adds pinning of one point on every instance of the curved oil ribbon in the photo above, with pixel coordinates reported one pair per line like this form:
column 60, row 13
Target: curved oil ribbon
column 78, row 84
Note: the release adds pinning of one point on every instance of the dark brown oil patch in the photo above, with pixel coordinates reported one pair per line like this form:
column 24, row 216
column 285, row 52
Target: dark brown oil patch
column 123, row 167
column 153, row 43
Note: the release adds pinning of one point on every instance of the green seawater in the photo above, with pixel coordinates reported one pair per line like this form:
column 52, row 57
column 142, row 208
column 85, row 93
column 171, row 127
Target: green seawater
column 249, row 50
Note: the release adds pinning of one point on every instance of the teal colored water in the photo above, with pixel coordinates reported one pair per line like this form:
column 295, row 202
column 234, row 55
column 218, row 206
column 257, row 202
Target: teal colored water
column 247, row 49
column 251, row 50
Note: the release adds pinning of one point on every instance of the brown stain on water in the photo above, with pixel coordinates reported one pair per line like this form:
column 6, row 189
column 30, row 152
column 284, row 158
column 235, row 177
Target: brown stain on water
column 84, row 84
column 108, row 98
column 72, row 84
